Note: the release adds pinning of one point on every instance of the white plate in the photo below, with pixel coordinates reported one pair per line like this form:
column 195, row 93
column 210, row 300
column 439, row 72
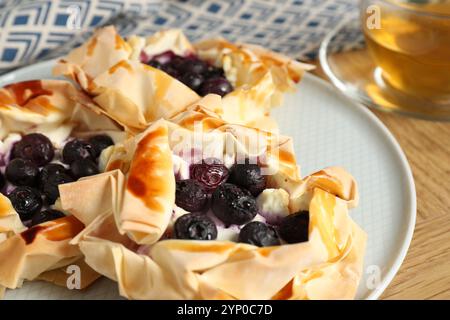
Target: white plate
column 328, row 129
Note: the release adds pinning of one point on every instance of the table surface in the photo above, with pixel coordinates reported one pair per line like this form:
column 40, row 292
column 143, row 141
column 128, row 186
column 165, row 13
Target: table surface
column 425, row 273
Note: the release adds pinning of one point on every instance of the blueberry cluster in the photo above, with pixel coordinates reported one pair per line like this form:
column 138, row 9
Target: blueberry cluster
column 198, row 75
column 231, row 196
column 37, row 179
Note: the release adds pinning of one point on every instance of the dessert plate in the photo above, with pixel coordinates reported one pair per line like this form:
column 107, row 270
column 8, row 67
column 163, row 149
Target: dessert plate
column 328, row 129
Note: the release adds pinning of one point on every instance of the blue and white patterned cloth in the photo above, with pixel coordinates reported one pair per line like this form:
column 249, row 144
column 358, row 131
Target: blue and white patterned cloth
column 36, row 30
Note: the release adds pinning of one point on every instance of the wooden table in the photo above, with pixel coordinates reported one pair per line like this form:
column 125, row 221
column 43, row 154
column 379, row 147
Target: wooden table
column 425, row 273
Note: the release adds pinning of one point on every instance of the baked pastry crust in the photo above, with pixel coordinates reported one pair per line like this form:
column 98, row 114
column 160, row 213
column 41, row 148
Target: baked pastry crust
column 135, row 94
column 121, row 225
column 57, row 109
column 327, row 266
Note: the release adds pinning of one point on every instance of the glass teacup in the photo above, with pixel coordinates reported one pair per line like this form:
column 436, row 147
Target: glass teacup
column 411, row 45
column 408, row 45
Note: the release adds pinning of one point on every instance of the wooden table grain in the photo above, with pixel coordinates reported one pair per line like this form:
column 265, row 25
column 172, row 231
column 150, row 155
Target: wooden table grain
column 425, row 272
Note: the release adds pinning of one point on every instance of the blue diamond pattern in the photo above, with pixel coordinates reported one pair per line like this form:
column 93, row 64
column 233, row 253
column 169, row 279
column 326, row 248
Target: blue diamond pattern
column 20, row 20
column 9, row 54
column 95, row 20
column 294, row 27
column 160, row 21
column 214, row 8
column 61, row 19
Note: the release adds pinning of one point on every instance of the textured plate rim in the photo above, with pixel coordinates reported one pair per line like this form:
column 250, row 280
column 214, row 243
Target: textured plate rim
column 403, row 162
column 411, row 209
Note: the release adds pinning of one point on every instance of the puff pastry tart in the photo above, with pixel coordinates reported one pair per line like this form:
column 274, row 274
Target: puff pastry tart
column 50, row 134
column 141, row 80
column 220, row 213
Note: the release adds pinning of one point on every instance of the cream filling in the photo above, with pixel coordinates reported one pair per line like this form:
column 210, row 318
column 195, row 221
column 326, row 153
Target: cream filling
column 273, row 204
column 224, row 233
column 180, row 168
column 5, row 148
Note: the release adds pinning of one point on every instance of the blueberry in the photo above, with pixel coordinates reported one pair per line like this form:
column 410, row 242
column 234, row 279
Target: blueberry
column 294, row 228
column 34, row 147
column 155, row 64
column 190, row 195
column 164, row 57
column 83, row 168
column 170, row 70
column 248, row 176
column 233, row 205
column 49, row 170
column 177, row 62
column 217, row 85
column 214, row 72
column 195, row 226
column 22, row 172
column 50, row 187
column 259, row 234
column 209, row 174
column 100, row 142
column 193, row 66
column 192, row 80
column 77, row 150
column 2, row 181
column 26, row 201
column 46, row 215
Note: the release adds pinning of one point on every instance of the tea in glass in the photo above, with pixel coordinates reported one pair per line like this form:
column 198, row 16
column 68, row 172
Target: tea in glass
column 412, row 45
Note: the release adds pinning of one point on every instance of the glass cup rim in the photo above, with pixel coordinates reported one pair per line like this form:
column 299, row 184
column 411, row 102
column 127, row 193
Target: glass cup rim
column 411, row 10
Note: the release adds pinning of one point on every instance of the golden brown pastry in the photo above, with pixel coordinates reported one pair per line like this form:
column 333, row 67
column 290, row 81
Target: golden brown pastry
column 200, row 198
column 131, row 235
column 139, row 80
column 38, row 119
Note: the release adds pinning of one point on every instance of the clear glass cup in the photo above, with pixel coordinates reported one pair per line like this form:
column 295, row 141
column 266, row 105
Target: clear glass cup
column 406, row 57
